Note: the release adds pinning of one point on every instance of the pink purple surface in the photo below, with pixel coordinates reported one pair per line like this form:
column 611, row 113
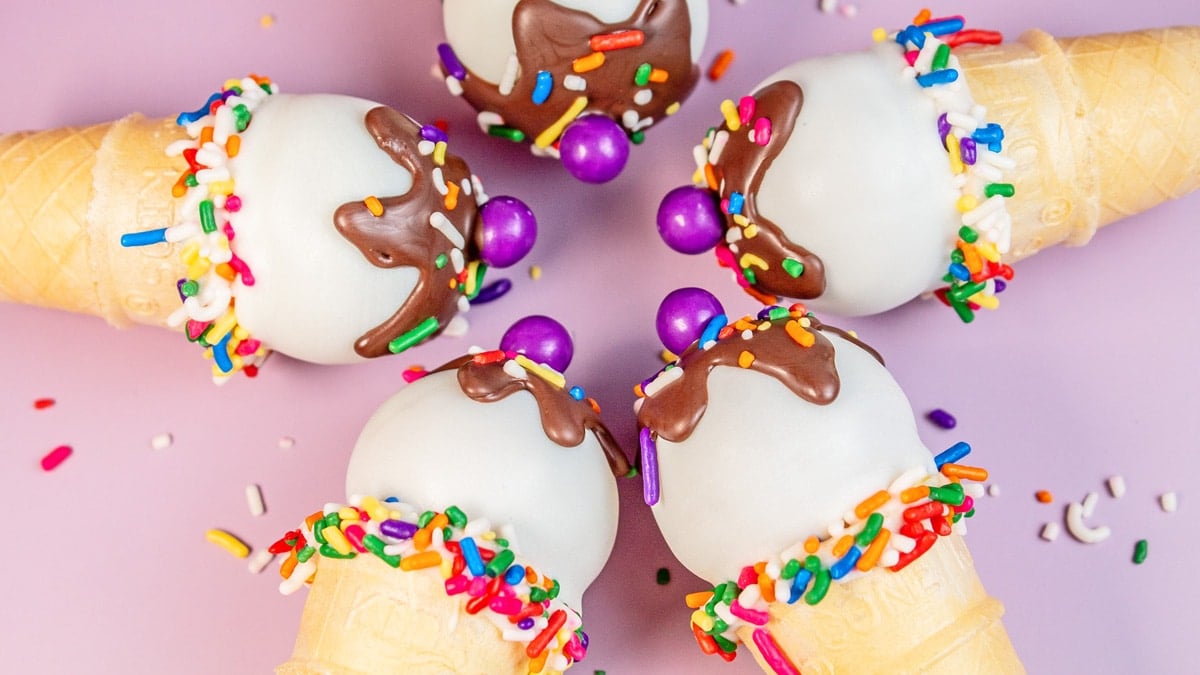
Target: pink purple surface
column 1087, row 371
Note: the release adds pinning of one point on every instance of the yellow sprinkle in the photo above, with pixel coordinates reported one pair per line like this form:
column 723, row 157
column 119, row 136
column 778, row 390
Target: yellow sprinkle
column 749, row 259
column 451, row 200
column 488, row 536
column 751, row 231
column 697, row 599
column 374, row 205
column 439, row 153
column 220, row 327
column 189, row 253
column 702, row 620
column 418, row 561
column 985, row 301
column 535, row 272
column 879, row 35
column 698, row 177
column 988, row 251
column 546, row 374
column 729, row 110
column 348, row 513
column 447, row 567
column 197, row 268
column 555, row 130
column 741, row 220
column 231, row 83
column 374, row 509
column 952, row 147
column 667, row 356
column 659, row 75
column 266, row 20
column 219, row 188
column 584, row 64
column 797, row 332
column 472, row 278
column 966, row 203
column 228, row 542
column 811, row 545
column 337, row 540
column 240, row 333
column 745, row 359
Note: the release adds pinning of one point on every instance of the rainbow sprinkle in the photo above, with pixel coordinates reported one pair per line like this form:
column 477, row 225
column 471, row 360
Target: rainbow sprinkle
column 472, row 558
column 889, row 529
column 207, row 190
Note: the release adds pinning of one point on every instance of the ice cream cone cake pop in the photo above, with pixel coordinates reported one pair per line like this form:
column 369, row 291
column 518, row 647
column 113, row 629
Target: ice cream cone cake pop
column 580, row 79
column 934, row 160
column 481, row 506
column 783, row 466
column 326, row 227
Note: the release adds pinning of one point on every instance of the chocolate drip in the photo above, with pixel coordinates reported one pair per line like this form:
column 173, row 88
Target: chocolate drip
column 403, row 236
column 550, row 37
column 743, row 164
column 809, row 372
column 564, row 419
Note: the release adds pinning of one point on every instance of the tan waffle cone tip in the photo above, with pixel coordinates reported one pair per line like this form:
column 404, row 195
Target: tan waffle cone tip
column 931, row 618
column 1101, row 127
column 66, row 197
column 364, row 618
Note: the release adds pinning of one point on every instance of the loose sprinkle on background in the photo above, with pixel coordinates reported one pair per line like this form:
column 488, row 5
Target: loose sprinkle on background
column 55, row 457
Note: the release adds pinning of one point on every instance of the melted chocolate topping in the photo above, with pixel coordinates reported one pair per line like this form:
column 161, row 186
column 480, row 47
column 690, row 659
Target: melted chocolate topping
column 743, row 164
column 549, row 37
column 403, row 237
column 564, row 419
column 809, row 372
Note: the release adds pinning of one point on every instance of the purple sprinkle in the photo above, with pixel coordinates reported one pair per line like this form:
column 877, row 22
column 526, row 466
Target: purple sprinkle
column 943, row 129
column 764, row 314
column 492, row 291
column 966, row 149
column 942, row 418
column 432, row 133
column 450, row 62
column 649, row 466
column 583, row 639
column 179, row 287
column 398, row 529
column 1000, row 285
column 525, row 624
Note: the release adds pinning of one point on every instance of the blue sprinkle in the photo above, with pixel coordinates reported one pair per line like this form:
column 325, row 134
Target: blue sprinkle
column 576, row 392
column 144, row 238
column 952, row 454
column 994, row 146
column 736, row 201
column 988, row 134
column 541, row 89
column 960, row 271
column 943, row 27
column 911, row 34
column 799, row 584
column 221, row 354
column 470, row 554
column 842, row 567
column 432, row 133
column 450, row 62
column 393, row 500
column 715, row 324
column 944, row 76
column 185, row 118
column 514, row 575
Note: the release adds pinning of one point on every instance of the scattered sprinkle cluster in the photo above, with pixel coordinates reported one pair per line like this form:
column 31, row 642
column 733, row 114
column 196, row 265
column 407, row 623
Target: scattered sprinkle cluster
column 889, row 529
column 207, row 190
column 472, row 558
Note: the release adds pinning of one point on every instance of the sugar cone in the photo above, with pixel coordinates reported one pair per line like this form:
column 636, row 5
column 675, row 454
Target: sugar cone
column 930, row 618
column 1101, row 127
column 364, row 618
column 66, row 197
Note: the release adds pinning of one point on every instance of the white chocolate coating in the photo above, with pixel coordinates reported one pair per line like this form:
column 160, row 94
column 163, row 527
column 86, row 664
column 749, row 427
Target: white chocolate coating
column 314, row 293
column 765, row 469
column 433, row 447
column 863, row 182
column 480, row 31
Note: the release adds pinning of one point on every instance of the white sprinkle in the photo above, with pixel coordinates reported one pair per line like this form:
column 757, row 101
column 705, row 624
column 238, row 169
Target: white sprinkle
column 162, row 441
column 442, row 224
column 1116, row 486
column 480, row 196
column 962, row 120
column 889, row 558
column 514, row 370
column 439, row 181
column 629, row 118
column 259, row 561
column 993, row 490
column 286, row 442
column 990, row 205
column 1168, row 501
column 902, row 543
column 488, row 118
column 747, row 334
column 643, row 96
column 456, row 327
column 1079, row 530
column 699, row 156
column 457, row 260
column 254, row 500
column 1050, row 531
column 300, row 574
column 1089, row 504
column 664, row 378
column 827, row 6
column 907, row 479
column 718, row 144
column 454, row 86
column 425, row 147
column 973, row 490
column 511, row 69
column 463, row 303
column 574, row 83
column 848, row 11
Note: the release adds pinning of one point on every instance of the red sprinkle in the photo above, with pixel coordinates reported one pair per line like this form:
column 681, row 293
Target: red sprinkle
column 720, row 65
column 43, row 403
column 538, row 644
column 923, row 544
column 55, row 457
column 982, row 37
column 707, row 644
column 413, row 373
column 619, row 40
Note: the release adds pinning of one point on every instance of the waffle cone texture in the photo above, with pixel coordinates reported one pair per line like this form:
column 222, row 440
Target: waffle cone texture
column 66, row 197
column 1100, row 127
column 930, row 618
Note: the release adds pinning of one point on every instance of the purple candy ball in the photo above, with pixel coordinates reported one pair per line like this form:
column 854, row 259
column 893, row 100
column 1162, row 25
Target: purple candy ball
column 507, row 231
column 542, row 339
column 689, row 220
column 594, row 149
column 683, row 314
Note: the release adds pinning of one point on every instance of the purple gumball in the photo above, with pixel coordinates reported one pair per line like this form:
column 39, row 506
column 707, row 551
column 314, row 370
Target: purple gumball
column 542, row 339
column 594, row 149
column 507, row 231
column 682, row 316
column 689, row 220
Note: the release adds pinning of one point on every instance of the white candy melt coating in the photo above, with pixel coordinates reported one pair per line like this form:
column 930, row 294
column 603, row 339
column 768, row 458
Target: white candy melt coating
column 432, row 446
column 765, row 469
column 314, row 292
column 480, row 31
column 863, row 182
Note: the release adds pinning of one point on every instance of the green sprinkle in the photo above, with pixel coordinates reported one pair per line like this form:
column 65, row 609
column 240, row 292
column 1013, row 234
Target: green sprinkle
column 641, row 77
column 719, row 626
column 945, row 496
column 305, row 553
column 241, row 115
column 776, row 313
column 501, row 541
column 447, row 533
column 319, row 532
column 373, row 544
column 1002, row 189
column 663, row 577
column 391, row 560
column 968, row 235
column 536, row 594
column 964, row 312
column 637, row 137
column 332, row 519
column 189, row 288
column 813, row 564
column 191, row 181
column 819, row 588
column 331, row 552
column 208, row 221
column 414, row 336
column 1139, row 551
column 793, row 267
column 957, row 255
column 500, row 563
column 456, row 516
column 554, row 590
column 511, row 133
column 633, row 472
column 790, row 569
column 710, row 607
column 480, row 270
column 729, row 593
column 941, row 57
column 725, row 644
column 961, row 293
column 749, row 275
column 870, row 530
column 440, row 261
column 425, row 518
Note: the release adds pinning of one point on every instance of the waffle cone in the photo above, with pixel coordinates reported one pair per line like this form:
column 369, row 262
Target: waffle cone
column 931, row 618
column 1100, row 127
column 66, row 197
column 364, row 618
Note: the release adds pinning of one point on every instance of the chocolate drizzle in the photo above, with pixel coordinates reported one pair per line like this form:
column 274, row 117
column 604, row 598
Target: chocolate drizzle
column 741, row 168
column 402, row 235
column 549, row 37
column 809, row 372
column 564, row 419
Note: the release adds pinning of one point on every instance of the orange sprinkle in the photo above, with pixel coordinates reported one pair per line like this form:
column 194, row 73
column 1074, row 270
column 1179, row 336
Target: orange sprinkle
column 913, row 494
column 637, row 390
column 537, row 663
column 870, row 557
column 811, row 545
column 799, row 334
column 922, row 17
column 451, row 199
column 698, row 599
column 1044, row 496
column 868, row 506
column 760, row 566
column 285, row 570
column 767, row 585
column 595, row 406
column 720, row 65
column 313, row 518
column 971, row 257
column 423, row 538
column 374, row 205
column 843, row 545
column 619, row 40
column 743, row 323
column 764, row 298
column 587, row 63
column 421, row 560
column 530, row 575
column 974, row 473
column 745, row 359
column 658, row 75
column 725, row 332
column 233, row 145
column 226, row 272
column 439, row 521
column 180, row 189
column 206, row 135
column 710, row 177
